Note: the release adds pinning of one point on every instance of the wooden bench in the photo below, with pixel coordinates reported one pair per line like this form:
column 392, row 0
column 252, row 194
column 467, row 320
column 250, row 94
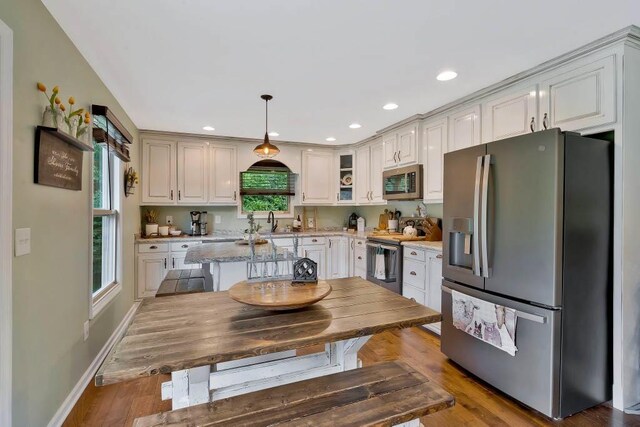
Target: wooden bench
column 386, row 394
column 179, row 282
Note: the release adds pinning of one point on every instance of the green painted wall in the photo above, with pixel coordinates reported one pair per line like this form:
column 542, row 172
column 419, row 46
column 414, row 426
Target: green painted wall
column 329, row 216
column 51, row 285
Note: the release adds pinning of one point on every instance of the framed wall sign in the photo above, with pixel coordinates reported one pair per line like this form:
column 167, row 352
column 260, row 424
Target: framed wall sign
column 58, row 162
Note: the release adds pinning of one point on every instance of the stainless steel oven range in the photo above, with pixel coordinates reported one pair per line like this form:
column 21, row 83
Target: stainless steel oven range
column 384, row 263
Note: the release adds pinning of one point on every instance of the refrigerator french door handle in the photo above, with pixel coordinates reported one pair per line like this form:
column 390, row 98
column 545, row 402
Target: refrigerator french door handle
column 519, row 313
column 476, row 219
column 485, row 215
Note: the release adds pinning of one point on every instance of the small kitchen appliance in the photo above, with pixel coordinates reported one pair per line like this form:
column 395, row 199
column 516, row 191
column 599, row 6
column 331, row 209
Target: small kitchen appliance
column 402, row 183
column 353, row 221
column 198, row 223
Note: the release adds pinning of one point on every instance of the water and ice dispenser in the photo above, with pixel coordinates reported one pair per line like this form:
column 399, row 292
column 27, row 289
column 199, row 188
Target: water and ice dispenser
column 460, row 243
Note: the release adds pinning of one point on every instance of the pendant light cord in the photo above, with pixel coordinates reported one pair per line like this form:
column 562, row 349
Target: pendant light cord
column 266, row 117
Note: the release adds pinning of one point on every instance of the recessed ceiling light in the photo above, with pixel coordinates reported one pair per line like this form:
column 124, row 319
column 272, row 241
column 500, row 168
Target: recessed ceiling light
column 209, row 128
column 447, row 75
column 390, row 106
column 330, row 139
column 355, row 125
column 274, row 134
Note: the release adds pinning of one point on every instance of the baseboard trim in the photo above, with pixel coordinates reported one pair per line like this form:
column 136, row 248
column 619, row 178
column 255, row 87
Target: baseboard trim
column 68, row 404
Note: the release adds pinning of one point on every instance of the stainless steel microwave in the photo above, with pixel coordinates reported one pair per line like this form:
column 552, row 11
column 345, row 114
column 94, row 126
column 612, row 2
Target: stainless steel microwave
column 402, row 183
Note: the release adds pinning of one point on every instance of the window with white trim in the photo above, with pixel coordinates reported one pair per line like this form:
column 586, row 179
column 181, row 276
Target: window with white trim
column 106, row 205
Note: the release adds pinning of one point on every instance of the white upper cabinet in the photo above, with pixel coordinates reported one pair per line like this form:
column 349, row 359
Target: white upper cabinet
column 193, row 172
column 434, row 145
column 158, row 172
column 317, row 178
column 581, row 98
column 345, row 177
column 390, row 150
column 408, row 145
column 363, row 188
column 464, row 128
column 401, row 147
column 375, row 173
column 223, row 182
column 510, row 115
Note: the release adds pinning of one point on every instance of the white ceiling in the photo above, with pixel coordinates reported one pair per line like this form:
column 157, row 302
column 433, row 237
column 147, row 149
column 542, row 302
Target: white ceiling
column 177, row 65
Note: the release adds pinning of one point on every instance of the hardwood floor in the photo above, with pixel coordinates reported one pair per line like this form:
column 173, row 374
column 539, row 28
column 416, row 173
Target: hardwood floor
column 477, row 404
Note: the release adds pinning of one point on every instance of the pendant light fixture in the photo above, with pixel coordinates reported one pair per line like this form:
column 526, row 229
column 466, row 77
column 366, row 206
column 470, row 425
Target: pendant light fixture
column 266, row 150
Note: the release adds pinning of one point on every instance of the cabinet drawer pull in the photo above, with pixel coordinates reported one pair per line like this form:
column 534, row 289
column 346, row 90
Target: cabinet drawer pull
column 153, row 247
column 532, row 125
column 359, row 242
column 338, row 197
column 545, row 121
column 303, row 197
column 352, row 244
column 173, row 263
column 413, row 273
column 414, row 253
column 329, row 243
column 359, row 257
column 398, row 156
column 171, row 194
column 179, row 195
column 315, row 240
column 185, row 246
column 439, row 256
column 234, row 195
column 165, row 263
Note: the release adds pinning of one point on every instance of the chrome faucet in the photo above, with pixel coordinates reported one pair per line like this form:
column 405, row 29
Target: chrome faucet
column 271, row 219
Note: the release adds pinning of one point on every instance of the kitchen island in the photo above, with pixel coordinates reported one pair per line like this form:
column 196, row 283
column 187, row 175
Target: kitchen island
column 212, row 254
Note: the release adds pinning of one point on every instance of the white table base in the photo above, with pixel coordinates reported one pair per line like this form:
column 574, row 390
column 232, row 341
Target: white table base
column 214, row 382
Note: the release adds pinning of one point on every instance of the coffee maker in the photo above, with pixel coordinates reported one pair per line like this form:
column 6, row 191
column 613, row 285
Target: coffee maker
column 198, row 223
column 353, row 221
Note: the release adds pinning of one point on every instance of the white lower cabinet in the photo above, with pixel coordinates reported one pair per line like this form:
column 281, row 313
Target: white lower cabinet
column 230, row 273
column 358, row 259
column 155, row 260
column 317, row 254
column 152, row 268
column 338, row 257
column 421, row 279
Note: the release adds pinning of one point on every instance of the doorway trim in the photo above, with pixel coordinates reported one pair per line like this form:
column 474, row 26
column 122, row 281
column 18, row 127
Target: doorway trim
column 6, row 235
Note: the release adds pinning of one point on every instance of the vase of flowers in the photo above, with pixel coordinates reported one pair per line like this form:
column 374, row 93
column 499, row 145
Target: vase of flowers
column 151, row 228
column 73, row 119
column 52, row 116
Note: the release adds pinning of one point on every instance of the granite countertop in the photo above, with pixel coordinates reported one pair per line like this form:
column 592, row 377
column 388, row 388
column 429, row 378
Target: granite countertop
column 233, row 236
column 423, row 244
column 226, row 252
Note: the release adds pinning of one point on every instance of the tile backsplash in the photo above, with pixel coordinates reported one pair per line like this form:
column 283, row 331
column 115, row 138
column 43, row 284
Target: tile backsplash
column 328, row 216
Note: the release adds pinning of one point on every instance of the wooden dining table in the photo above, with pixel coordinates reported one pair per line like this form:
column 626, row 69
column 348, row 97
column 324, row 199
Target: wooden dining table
column 215, row 347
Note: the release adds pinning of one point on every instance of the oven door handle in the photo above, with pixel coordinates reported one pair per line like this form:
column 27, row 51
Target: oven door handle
column 378, row 245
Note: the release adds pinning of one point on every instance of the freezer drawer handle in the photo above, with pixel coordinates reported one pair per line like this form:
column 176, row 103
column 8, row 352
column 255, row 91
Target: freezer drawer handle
column 522, row 314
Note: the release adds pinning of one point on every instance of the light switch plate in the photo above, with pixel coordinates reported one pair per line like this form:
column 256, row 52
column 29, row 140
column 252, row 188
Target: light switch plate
column 22, row 244
column 218, row 219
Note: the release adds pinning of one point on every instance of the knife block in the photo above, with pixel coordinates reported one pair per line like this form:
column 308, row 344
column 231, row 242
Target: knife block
column 433, row 233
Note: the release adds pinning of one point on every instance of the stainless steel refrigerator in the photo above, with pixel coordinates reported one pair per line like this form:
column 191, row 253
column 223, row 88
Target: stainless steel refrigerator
column 528, row 225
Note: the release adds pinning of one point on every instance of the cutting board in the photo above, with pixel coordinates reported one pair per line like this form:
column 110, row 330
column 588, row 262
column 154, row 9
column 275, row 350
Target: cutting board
column 383, row 222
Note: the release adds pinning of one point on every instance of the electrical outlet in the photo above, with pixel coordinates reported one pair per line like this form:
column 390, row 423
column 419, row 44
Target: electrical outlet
column 217, row 219
column 169, row 220
column 86, row 330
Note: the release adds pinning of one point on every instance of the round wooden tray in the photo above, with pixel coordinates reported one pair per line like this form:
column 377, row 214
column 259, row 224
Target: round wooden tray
column 279, row 295
column 255, row 242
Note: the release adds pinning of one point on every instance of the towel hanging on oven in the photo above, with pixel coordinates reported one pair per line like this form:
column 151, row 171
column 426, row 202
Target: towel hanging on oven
column 492, row 323
column 380, row 271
